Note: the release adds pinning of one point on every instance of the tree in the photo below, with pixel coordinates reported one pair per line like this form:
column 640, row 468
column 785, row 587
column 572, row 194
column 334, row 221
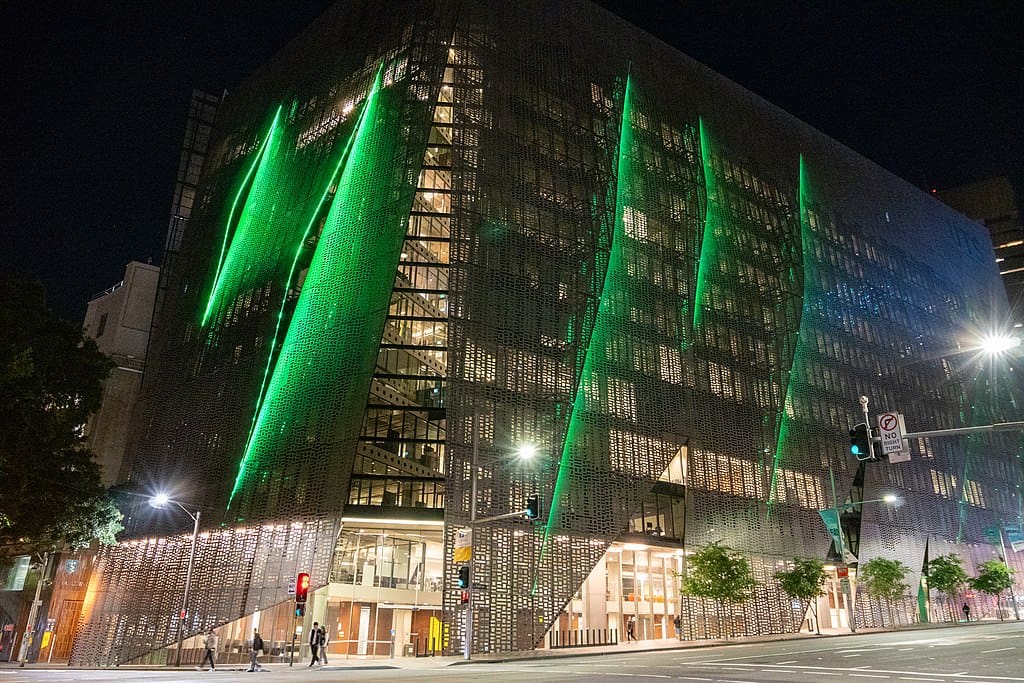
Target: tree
column 946, row 574
column 993, row 578
column 719, row 573
column 51, row 379
column 884, row 578
column 804, row 582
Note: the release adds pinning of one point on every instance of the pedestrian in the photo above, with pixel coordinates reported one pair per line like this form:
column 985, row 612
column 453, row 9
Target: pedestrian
column 631, row 629
column 257, row 650
column 210, row 643
column 967, row 611
column 323, row 643
column 314, row 644
column 678, row 623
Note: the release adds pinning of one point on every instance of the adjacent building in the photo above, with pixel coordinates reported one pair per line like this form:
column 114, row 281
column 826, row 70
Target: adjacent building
column 118, row 320
column 995, row 203
column 428, row 235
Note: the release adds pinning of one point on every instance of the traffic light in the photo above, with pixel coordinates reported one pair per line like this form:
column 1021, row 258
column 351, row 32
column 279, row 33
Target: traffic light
column 860, row 442
column 464, row 576
column 464, row 598
column 533, row 507
column 301, row 588
column 300, row 609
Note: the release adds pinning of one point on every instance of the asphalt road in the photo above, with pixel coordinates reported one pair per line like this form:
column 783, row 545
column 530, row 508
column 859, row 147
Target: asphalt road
column 984, row 652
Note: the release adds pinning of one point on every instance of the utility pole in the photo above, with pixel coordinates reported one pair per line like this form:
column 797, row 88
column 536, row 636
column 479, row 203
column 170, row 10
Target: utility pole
column 30, row 631
column 1002, row 546
column 468, row 654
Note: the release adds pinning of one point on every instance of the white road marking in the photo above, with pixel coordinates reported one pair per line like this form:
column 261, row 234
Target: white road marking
column 1002, row 649
column 910, row 678
column 851, row 655
column 857, row 671
column 789, row 661
column 869, row 676
column 692, row 678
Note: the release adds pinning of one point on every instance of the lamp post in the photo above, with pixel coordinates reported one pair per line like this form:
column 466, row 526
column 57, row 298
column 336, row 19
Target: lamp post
column 889, row 499
column 525, row 452
column 161, row 500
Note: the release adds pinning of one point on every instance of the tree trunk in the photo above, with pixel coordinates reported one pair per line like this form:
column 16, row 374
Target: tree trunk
column 814, row 610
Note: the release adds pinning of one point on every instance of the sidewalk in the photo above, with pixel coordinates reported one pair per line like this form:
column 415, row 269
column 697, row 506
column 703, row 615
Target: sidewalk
column 425, row 663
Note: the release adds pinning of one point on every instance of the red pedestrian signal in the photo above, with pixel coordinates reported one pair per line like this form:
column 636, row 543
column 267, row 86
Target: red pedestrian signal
column 464, row 598
column 301, row 588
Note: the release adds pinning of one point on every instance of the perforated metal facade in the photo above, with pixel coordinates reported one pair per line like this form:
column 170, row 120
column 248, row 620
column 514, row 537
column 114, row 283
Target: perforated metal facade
column 534, row 221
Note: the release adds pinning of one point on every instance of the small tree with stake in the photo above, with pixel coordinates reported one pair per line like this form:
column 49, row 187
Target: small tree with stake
column 993, row 578
column 719, row 573
column 946, row 574
column 884, row 578
column 804, row 582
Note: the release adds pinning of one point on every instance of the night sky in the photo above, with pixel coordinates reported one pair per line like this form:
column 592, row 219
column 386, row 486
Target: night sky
column 97, row 94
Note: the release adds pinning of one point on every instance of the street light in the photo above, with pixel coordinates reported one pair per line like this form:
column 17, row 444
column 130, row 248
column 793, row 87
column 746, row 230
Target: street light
column 161, row 500
column 999, row 343
column 524, row 452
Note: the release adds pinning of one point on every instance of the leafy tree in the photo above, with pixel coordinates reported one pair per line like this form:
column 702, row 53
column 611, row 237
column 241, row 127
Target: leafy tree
column 946, row 574
column 719, row 573
column 804, row 582
column 884, row 578
column 993, row 578
column 50, row 381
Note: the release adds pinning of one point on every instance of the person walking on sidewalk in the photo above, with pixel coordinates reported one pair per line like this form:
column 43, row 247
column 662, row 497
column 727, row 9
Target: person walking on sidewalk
column 678, row 624
column 257, row 650
column 631, row 629
column 967, row 611
column 323, row 643
column 210, row 643
column 315, row 642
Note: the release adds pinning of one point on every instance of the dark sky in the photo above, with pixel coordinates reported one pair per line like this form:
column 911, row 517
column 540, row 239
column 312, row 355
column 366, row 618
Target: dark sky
column 97, row 93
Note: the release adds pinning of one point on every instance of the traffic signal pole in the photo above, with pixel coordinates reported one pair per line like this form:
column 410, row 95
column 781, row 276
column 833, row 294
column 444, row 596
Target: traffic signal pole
column 1016, row 426
column 468, row 640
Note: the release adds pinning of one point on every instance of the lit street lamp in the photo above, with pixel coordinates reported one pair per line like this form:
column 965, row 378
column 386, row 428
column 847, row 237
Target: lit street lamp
column 996, row 344
column 524, row 452
column 890, row 499
column 161, row 500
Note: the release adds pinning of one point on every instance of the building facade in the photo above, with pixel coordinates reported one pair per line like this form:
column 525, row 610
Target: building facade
column 428, row 234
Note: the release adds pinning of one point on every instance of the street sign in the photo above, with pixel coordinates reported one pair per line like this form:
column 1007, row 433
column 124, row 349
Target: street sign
column 463, row 546
column 890, row 431
column 844, row 584
column 291, row 586
column 843, row 572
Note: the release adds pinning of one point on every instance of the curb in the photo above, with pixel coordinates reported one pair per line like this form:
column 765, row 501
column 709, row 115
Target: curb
column 698, row 645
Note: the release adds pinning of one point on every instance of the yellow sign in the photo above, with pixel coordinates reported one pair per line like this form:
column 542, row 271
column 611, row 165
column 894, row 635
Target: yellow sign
column 463, row 546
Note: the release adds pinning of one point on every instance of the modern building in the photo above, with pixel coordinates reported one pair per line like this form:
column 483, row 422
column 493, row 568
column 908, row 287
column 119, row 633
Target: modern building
column 118, row 320
column 428, row 235
column 995, row 203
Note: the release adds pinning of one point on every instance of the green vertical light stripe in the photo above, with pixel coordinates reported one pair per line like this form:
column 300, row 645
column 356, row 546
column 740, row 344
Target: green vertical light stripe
column 712, row 220
column 784, row 420
column 598, row 344
column 330, row 347
column 314, row 214
column 254, row 180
